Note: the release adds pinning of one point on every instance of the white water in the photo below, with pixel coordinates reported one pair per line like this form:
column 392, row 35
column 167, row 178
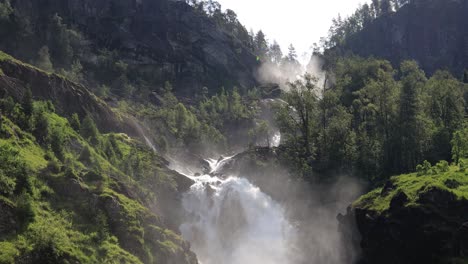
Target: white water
column 231, row 221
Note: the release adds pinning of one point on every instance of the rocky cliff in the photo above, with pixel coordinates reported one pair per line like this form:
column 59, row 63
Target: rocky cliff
column 434, row 33
column 413, row 219
column 86, row 204
column 159, row 40
column 67, row 96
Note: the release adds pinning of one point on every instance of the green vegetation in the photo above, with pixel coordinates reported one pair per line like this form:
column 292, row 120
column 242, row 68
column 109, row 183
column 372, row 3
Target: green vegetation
column 441, row 176
column 64, row 193
column 373, row 121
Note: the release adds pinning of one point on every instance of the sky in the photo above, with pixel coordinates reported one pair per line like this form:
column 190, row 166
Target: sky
column 297, row 22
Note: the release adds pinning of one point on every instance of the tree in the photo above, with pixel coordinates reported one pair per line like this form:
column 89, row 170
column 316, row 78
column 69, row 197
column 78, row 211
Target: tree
column 75, row 122
column 12, row 170
column 446, row 106
column 5, row 10
column 89, row 130
column 292, row 54
column 260, row 134
column 376, row 7
column 460, row 145
column 385, row 7
column 275, row 53
column 43, row 61
column 27, row 103
column 57, row 140
column 41, row 127
column 297, row 117
column 59, row 43
column 85, row 155
column 261, row 45
column 414, row 126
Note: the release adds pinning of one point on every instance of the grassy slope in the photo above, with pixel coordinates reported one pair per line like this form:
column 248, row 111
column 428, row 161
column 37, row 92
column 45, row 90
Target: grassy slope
column 413, row 185
column 52, row 225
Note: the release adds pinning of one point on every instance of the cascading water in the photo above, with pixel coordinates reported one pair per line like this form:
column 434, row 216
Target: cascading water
column 231, row 221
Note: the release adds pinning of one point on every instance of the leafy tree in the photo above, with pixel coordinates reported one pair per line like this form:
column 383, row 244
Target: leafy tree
column 446, row 107
column 460, row 145
column 297, row 118
column 414, row 127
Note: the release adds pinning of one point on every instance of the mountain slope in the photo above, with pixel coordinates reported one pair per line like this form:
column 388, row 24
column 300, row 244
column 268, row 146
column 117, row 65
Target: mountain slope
column 71, row 194
column 151, row 41
column 434, row 33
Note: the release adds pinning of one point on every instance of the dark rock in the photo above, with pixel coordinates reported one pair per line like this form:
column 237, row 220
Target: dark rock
column 183, row 182
column 431, row 32
column 431, row 231
column 437, row 197
column 388, row 187
column 209, row 190
column 68, row 97
column 452, row 184
column 462, row 240
column 399, row 200
column 167, row 38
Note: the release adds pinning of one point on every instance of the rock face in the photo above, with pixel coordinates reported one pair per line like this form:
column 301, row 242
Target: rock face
column 68, row 97
column 433, row 231
column 135, row 226
column 168, row 39
column 434, row 33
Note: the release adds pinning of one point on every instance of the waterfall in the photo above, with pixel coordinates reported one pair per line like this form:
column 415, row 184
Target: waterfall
column 230, row 221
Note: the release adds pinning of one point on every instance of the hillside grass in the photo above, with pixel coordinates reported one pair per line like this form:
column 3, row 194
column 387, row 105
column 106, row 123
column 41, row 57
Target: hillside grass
column 413, row 185
column 67, row 229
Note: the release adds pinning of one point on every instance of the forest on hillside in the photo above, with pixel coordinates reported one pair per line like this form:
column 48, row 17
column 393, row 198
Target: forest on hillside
column 101, row 101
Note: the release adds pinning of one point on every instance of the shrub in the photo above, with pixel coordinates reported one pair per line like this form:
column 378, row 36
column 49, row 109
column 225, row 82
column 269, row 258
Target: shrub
column 442, row 166
column 57, row 140
column 424, row 169
column 89, row 130
column 462, row 165
column 75, row 122
column 85, row 155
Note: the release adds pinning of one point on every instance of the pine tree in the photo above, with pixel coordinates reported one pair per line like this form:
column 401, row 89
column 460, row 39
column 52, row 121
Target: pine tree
column 43, row 61
column 275, row 53
column 261, row 45
column 89, row 130
column 75, row 122
column 413, row 131
column 27, row 103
